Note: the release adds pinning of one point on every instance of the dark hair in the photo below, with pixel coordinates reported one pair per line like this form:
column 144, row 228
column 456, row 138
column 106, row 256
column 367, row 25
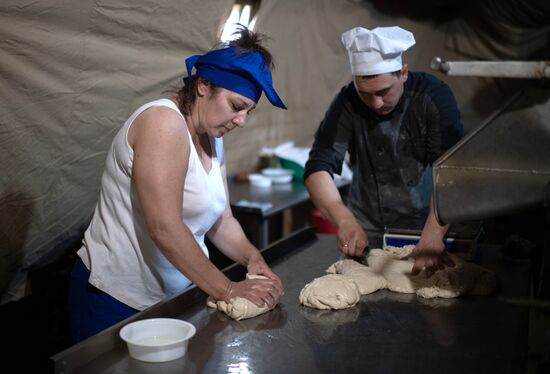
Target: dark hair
column 247, row 41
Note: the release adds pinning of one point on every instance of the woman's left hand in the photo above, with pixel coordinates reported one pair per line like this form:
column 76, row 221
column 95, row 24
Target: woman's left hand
column 258, row 266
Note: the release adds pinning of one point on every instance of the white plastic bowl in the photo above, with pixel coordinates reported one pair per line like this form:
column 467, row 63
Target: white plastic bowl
column 157, row 339
column 259, row 180
column 278, row 175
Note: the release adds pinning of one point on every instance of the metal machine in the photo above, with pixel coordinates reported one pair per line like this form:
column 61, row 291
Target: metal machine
column 503, row 166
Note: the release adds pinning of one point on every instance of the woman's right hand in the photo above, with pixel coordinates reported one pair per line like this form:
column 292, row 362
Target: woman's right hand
column 259, row 291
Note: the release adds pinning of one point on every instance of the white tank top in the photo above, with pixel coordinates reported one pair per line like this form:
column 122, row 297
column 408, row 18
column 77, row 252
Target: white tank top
column 117, row 249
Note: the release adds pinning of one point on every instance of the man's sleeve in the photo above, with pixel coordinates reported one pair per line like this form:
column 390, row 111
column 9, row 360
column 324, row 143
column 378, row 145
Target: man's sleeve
column 444, row 123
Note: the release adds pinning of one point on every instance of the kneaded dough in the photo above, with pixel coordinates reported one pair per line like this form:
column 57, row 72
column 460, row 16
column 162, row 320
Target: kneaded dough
column 395, row 267
column 366, row 279
column 392, row 263
column 391, row 268
column 332, row 291
column 239, row 308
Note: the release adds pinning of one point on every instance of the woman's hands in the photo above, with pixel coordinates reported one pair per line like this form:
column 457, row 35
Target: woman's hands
column 257, row 266
column 259, row 291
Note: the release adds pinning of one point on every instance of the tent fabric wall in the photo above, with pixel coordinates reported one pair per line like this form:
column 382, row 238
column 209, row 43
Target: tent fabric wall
column 313, row 65
column 502, row 30
column 72, row 72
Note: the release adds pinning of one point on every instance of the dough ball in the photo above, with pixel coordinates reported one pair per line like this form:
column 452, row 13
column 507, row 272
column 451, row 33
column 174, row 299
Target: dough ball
column 332, row 291
column 239, row 308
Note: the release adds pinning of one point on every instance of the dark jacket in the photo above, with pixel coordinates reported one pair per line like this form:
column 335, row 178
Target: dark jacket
column 391, row 155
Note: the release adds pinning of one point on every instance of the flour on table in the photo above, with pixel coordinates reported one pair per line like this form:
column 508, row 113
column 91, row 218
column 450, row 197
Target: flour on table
column 239, row 308
column 332, row 291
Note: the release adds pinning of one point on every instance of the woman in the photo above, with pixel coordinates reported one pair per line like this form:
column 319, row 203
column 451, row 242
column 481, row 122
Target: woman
column 164, row 188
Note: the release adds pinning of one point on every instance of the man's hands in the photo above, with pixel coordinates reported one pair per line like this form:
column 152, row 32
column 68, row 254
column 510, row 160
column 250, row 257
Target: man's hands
column 429, row 256
column 351, row 239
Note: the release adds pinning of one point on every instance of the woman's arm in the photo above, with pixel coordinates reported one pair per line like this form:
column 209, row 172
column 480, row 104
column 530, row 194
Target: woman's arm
column 161, row 154
column 228, row 236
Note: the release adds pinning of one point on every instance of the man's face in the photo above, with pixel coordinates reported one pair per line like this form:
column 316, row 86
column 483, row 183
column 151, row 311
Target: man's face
column 381, row 93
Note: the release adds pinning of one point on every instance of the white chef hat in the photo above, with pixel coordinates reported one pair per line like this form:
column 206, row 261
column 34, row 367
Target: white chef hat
column 376, row 51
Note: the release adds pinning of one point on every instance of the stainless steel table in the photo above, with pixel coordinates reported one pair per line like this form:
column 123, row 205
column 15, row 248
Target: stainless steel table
column 384, row 333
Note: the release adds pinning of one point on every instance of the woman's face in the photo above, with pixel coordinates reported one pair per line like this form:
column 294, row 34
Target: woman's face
column 381, row 93
column 221, row 110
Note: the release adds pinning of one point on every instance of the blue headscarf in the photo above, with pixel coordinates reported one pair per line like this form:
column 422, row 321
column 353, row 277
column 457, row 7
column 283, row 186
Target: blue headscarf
column 243, row 73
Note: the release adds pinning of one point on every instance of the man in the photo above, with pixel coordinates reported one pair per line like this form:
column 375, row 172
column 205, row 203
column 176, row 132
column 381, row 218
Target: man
column 394, row 124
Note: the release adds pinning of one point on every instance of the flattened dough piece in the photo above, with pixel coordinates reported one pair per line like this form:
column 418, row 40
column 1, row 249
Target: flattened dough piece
column 396, row 269
column 239, row 308
column 465, row 277
column 366, row 279
column 332, row 291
